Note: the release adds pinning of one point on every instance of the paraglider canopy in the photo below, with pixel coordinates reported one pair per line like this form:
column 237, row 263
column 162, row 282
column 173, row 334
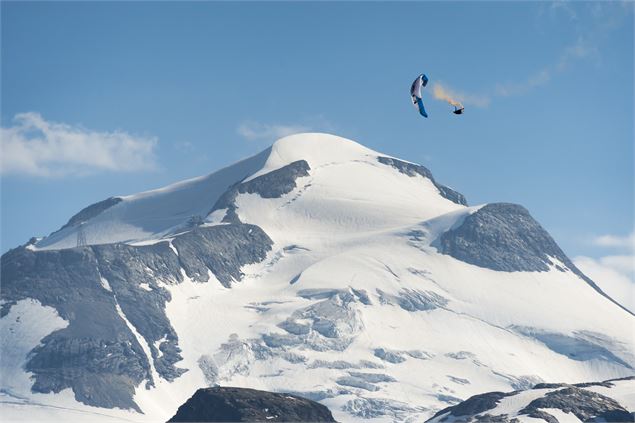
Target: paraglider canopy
column 416, row 95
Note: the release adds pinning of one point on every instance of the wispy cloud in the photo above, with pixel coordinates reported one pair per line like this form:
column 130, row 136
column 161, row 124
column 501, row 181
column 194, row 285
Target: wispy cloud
column 582, row 49
column 606, row 17
column 184, row 146
column 37, row 147
column 519, row 88
column 254, row 131
column 563, row 6
column 269, row 132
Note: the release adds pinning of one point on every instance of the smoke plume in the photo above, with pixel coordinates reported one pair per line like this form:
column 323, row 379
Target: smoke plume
column 441, row 93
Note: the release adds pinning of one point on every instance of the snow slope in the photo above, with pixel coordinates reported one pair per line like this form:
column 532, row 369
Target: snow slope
column 354, row 306
column 152, row 214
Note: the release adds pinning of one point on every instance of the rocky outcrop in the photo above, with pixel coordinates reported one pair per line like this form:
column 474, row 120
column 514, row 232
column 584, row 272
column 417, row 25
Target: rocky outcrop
column 504, row 237
column 96, row 354
column 113, row 297
column 92, row 211
column 224, row 404
column 412, row 170
column 270, row 185
column 223, row 249
column 583, row 403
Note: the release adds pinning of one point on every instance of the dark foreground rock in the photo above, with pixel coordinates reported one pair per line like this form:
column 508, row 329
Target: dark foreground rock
column 575, row 400
column 222, row 404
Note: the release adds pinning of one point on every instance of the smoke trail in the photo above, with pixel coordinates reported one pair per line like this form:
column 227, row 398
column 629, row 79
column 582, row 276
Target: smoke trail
column 441, row 93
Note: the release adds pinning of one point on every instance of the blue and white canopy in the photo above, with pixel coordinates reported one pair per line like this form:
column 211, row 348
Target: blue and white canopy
column 416, row 93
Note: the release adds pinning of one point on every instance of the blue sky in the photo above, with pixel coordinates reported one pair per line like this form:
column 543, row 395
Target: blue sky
column 160, row 92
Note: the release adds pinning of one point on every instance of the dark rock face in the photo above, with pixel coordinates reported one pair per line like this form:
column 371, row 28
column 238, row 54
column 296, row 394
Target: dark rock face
column 92, row 211
column 96, row 350
column 412, row 169
column 585, row 405
column 221, row 404
column 125, row 268
column 270, row 185
column 101, row 289
column 224, row 249
column 504, row 237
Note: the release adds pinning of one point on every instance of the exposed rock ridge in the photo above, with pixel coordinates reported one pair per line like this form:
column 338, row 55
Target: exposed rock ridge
column 412, row 169
column 273, row 184
column 92, row 211
column 505, row 237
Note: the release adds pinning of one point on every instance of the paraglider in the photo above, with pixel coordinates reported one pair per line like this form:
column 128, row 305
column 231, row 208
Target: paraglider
column 415, row 92
column 439, row 93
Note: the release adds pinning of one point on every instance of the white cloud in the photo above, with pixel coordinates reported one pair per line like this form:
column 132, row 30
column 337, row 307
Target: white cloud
column 616, row 241
column 615, row 275
column 35, row 146
column 253, row 131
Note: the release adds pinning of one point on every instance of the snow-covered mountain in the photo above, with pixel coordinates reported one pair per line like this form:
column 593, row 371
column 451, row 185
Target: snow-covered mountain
column 317, row 267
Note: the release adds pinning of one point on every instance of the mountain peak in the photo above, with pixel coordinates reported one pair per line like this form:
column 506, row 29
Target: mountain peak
column 341, row 182
column 312, row 143
column 316, row 148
